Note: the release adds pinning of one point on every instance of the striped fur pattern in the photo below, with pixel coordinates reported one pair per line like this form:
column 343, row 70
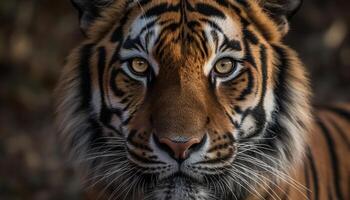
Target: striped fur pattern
column 258, row 136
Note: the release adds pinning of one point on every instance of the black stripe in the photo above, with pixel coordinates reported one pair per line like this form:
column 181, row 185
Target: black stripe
column 250, row 36
column 334, row 159
column 144, row 2
column 245, row 22
column 130, row 140
column 203, row 43
column 208, row 10
column 85, row 95
column 238, row 11
column 223, row 3
column 281, row 86
column 85, row 76
column 127, row 106
column 237, row 109
column 243, row 2
column 212, row 24
column 127, row 120
column 265, row 33
column 115, row 56
column 280, row 135
column 248, row 53
column 229, row 5
column 263, row 58
column 161, row 9
column 134, row 44
column 230, row 44
column 184, row 5
column 259, row 115
column 340, row 131
column 234, row 123
column 314, row 173
column 307, row 181
column 248, row 89
column 149, row 26
column 339, row 111
column 94, row 130
column 126, row 99
column 118, row 35
column 105, row 113
column 156, row 10
column 170, row 27
column 192, row 25
column 259, row 112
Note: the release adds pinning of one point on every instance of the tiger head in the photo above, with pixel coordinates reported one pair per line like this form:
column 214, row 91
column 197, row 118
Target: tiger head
column 184, row 99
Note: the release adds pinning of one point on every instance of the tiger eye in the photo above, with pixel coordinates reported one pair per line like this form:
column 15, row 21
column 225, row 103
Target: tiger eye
column 139, row 65
column 224, row 66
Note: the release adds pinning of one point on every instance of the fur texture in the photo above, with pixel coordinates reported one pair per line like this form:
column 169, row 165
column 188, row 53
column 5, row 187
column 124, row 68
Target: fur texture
column 255, row 123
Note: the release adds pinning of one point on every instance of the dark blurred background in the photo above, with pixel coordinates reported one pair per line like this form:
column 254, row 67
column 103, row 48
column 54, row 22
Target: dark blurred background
column 35, row 37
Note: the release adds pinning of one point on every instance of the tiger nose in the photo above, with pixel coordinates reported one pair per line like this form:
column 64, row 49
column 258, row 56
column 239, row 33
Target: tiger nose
column 179, row 149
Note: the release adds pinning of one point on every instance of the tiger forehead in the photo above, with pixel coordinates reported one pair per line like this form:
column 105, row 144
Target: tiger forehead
column 189, row 29
column 183, row 22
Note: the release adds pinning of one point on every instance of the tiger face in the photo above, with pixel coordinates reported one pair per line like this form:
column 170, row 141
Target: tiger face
column 186, row 90
column 183, row 99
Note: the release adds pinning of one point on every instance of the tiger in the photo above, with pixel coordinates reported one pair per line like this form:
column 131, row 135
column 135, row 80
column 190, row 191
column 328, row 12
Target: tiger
column 197, row 99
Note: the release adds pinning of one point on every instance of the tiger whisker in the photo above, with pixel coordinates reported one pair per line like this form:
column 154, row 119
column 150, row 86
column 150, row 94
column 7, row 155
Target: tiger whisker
column 280, row 174
column 262, row 179
column 274, row 161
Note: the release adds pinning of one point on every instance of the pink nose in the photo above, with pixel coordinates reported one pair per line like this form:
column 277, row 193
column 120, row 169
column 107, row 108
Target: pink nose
column 180, row 149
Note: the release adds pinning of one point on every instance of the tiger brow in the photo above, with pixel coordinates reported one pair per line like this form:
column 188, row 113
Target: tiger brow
column 230, row 44
column 227, row 44
column 134, row 44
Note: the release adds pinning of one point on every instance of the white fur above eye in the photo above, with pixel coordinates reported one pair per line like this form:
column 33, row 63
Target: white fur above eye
column 216, row 38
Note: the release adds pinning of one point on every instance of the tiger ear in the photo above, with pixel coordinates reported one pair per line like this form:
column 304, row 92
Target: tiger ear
column 89, row 10
column 281, row 11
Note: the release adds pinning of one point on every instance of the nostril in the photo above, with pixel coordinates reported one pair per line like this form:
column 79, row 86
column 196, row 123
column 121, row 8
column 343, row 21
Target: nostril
column 163, row 146
column 198, row 145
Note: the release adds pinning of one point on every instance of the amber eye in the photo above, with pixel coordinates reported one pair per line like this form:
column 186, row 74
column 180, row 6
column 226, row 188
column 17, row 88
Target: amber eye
column 139, row 65
column 224, row 66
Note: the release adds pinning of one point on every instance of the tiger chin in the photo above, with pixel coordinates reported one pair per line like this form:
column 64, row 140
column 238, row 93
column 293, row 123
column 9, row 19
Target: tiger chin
column 197, row 99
